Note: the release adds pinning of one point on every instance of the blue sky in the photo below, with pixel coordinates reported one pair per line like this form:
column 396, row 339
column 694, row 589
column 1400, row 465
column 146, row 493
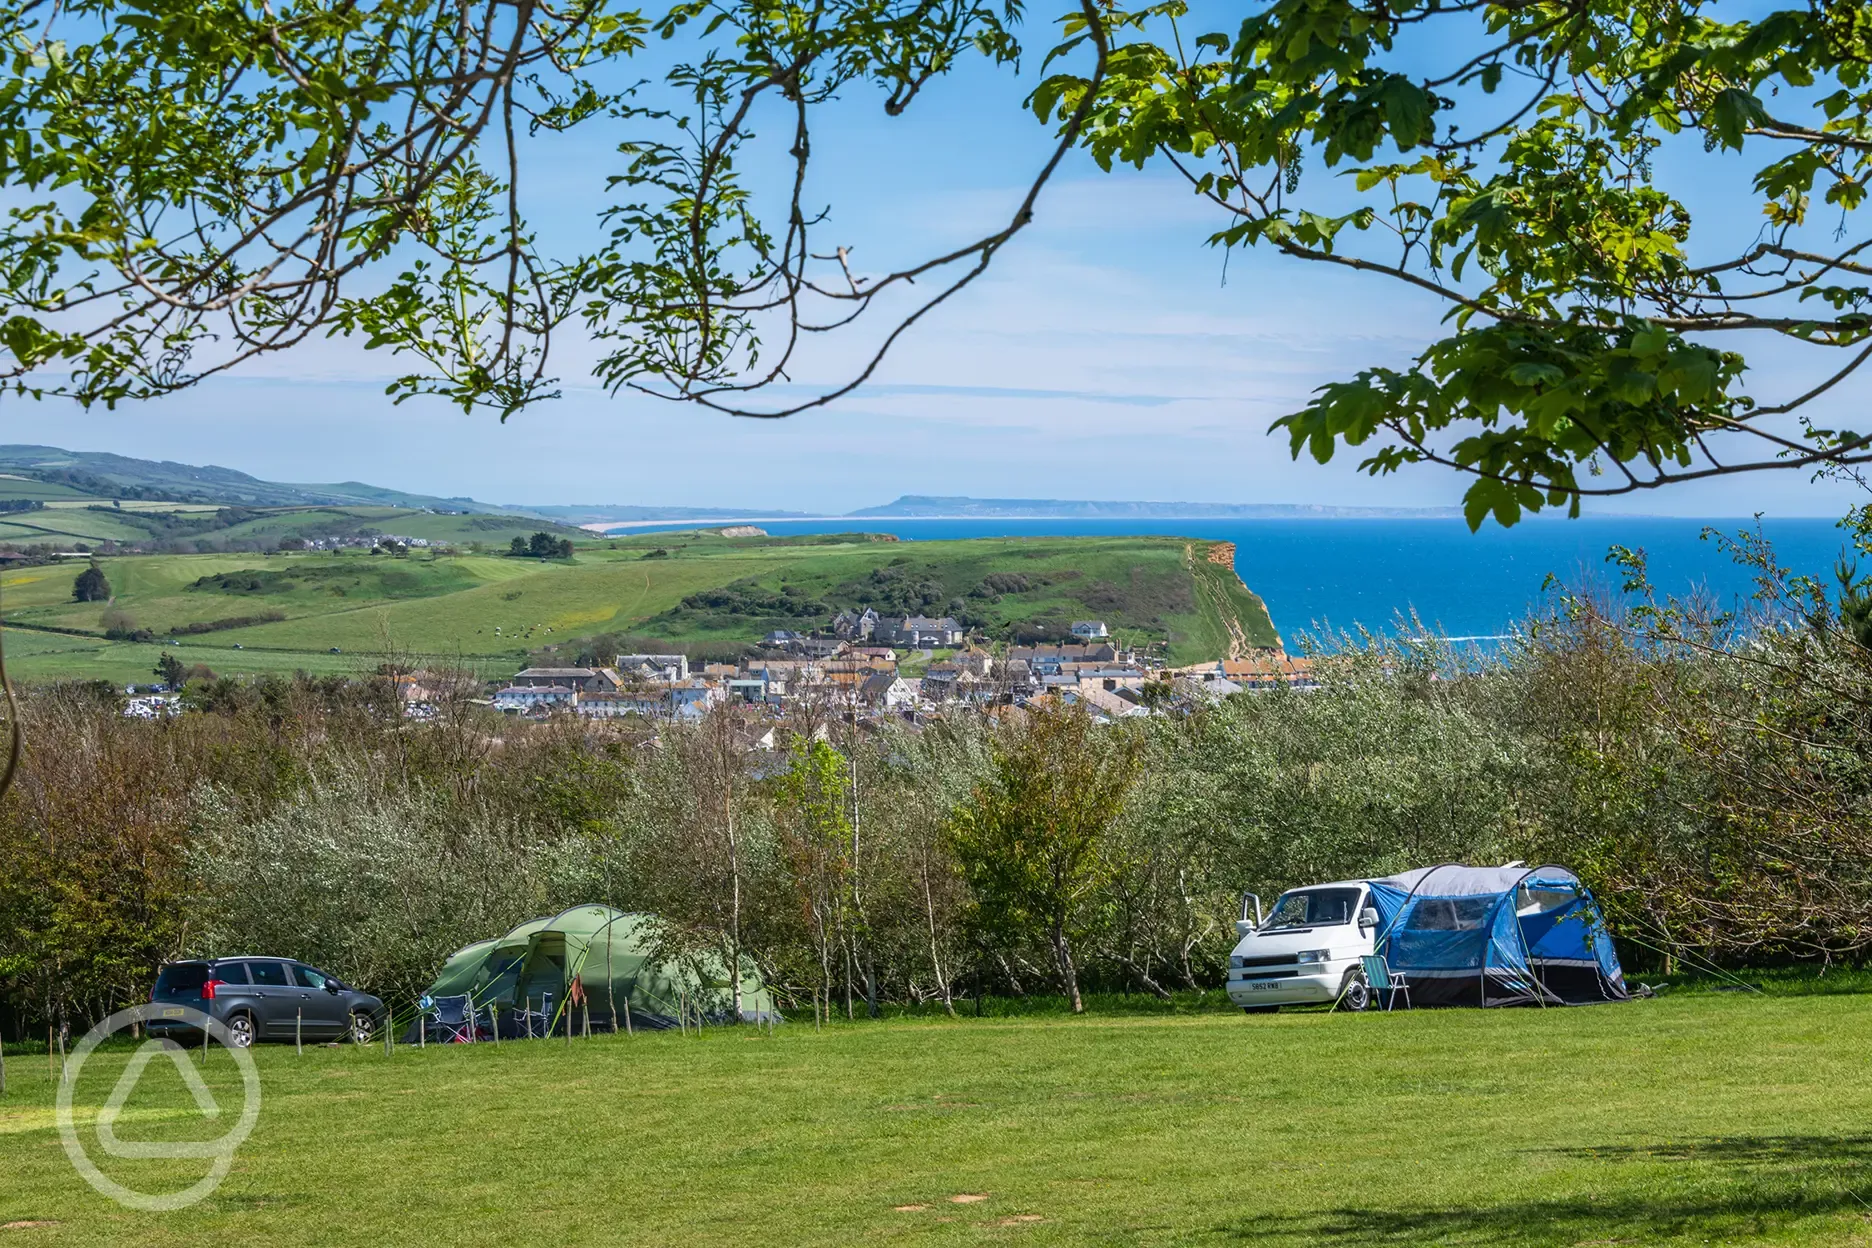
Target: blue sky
column 1104, row 356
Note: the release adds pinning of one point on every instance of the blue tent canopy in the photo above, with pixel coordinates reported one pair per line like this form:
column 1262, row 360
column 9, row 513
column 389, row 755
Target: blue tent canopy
column 1496, row 936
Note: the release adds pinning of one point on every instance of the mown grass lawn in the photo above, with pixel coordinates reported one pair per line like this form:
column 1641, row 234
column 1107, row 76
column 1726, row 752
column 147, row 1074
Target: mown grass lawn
column 1699, row 1119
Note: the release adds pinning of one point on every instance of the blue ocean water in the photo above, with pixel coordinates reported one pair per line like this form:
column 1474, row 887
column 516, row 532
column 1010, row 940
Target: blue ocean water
column 1348, row 573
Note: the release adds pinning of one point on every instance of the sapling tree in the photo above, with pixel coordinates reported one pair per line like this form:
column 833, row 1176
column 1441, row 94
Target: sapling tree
column 1035, row 839
column 813, row 821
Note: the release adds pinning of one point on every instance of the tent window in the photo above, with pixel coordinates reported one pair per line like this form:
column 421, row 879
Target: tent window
column 1451, row 914
column 1540, row 900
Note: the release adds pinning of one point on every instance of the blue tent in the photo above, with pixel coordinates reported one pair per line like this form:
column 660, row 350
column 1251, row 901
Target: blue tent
column 1505, row 935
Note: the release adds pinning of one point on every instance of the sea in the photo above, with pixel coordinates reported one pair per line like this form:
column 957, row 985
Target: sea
column 1323, row 577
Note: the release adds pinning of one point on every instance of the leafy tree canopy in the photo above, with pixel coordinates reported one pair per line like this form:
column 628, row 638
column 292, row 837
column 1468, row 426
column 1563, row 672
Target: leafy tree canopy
column 194, row 185
column 91, row 585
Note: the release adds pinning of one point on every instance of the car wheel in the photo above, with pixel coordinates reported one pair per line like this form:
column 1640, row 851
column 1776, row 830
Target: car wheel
column 363, row 1027
column 240, row 1031
column 1260, row 1009
column 1356, row 996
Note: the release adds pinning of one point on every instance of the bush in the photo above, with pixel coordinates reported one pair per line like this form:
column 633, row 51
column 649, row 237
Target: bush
column 119, row 625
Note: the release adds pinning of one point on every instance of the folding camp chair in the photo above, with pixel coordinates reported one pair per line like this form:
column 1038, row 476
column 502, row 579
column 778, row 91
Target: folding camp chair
column 531, row 1023
column 1381, row 978
column 455, row 1019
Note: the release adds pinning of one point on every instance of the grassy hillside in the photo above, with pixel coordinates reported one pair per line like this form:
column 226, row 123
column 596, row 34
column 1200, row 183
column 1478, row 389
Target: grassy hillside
column 100, row 473
column 90, row 498
column 283, row 610
column 1719, row 1119
column 64, row 521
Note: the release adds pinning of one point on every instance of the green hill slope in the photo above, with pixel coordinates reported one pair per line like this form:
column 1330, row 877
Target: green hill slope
column 102, row 474
column 283, row 611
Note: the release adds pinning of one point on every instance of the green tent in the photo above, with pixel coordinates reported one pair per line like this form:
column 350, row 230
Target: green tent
column 612, row 955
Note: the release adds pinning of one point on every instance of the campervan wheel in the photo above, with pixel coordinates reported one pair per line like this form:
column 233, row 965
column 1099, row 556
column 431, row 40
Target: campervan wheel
column 1356, row 994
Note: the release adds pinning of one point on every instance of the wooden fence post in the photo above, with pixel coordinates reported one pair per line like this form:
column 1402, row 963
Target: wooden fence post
column 299, row 1032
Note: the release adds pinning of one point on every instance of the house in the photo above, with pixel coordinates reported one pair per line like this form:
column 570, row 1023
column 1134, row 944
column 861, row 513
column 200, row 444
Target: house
column 755, row 688
column 1107, row 675
column 820, row 647
column 647, row 703
column 422, row 692
column 975, row 662
column 670, row 702
column 845, row 672
column 524, row 698
column 657, row 669
column 691, row 701
column 593, row 679
column 920, row 631
column 1047, row 660
column 1090, row 629
column 877, row 655
column 855, row 625
column 943, row 682
column 886, row 691
column 782, row 670
column 1270, row 669
column 1102, row 704
column 781, row 639
column 1210, row 690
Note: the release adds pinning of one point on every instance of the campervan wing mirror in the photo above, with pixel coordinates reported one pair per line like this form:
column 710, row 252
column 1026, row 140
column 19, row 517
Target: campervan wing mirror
column 1368, row 917
column 1256, row 899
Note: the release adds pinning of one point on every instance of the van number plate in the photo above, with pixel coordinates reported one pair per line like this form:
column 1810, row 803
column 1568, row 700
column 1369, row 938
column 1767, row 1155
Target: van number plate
column 172, row 1013
column 1262, row 987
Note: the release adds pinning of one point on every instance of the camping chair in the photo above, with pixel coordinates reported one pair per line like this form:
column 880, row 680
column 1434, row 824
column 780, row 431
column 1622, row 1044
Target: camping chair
column 455, row 1018
column 1381, row 978
column 530, row 1023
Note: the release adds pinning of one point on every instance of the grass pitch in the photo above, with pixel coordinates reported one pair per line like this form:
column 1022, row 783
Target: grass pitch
column 1719, row 1118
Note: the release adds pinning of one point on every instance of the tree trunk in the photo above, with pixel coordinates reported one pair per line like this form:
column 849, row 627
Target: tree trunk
column 1069, row 974
column 929, row 912
column 1143, row 975
column 734, row 871
column 1013, row 981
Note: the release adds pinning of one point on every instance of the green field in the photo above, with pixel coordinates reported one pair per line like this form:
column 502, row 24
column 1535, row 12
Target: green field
column 1723, row 1119
column 493, row 610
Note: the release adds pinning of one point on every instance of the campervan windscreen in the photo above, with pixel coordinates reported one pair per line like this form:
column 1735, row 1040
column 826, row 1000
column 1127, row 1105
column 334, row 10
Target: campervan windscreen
column 1314, row 907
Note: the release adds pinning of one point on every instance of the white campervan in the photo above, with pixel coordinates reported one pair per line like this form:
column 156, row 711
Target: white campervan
column 1306, row 950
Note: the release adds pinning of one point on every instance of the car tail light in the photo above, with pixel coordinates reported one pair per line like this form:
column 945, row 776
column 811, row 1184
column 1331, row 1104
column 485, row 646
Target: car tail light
column 208, row 989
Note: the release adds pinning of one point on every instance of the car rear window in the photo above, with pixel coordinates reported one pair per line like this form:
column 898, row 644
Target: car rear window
column 184, row 977
column 268, row 973
column 231, row 972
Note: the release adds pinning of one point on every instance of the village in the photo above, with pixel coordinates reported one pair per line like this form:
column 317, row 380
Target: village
column 862, row 665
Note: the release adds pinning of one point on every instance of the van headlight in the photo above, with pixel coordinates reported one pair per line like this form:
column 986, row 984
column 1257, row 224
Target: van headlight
column 1312, row 955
